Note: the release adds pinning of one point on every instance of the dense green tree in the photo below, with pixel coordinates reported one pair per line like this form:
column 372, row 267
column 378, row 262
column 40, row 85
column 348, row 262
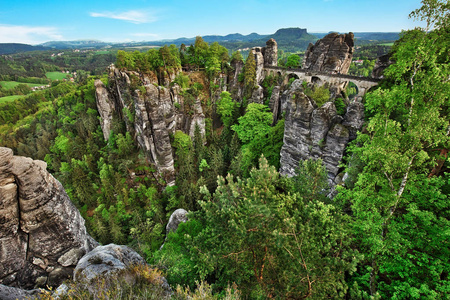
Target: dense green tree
column 395, row 199
column 293, row 61
column 226, row 107
column 269, row 240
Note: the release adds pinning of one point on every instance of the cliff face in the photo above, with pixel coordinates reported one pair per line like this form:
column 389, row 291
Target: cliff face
column 151, row 113
column 42, row 234
column 332, row 54
column 316, row 132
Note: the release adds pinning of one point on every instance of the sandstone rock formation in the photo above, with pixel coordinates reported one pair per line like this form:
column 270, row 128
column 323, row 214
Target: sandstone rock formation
column 270, row 53
column 42, row 234
column 177, row 217
column 331, row 54
column 105, row 262
column 150, row 113
column 235, row 87
column 316, row 132
column 381, row 64
column 105, row 108
column 259, row 59
column 11, row 293
column 108, row 265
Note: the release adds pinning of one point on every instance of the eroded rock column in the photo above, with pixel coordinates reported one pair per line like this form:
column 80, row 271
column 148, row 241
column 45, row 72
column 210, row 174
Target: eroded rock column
column 42, row 234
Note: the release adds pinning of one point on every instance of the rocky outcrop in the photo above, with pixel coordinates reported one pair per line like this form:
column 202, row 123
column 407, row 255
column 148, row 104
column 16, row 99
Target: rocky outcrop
column 151, row 113
column 236, row 87
column 274, row 103
column 270, row 53
column 381, row 64
column 313, row 132
column 257, row 95
column 177, row 217
column 105, row 262
column 259, row 60
column 11, row 293
column 105, row 107
column 42, row 234
column 110, row 265
column 331, row 54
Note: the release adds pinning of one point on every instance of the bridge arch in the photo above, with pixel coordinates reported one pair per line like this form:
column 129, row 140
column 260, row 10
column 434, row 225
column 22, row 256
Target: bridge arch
column 352, row 90
column 292, row 75
column 316, row 80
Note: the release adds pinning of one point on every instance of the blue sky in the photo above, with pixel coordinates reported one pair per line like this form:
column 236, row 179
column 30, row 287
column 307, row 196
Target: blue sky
column 34, row 21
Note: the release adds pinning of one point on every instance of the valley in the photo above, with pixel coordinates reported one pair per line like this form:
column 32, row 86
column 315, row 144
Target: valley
column 302, row 167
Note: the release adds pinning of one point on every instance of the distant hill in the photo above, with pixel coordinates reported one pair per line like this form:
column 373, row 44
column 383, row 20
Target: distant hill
column 11, row 48
column 293, row 39
column 288, row 39
column 368, row 37
column 80, row 44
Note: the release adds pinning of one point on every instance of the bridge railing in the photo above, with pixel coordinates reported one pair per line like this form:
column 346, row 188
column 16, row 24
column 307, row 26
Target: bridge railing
column 312, row 73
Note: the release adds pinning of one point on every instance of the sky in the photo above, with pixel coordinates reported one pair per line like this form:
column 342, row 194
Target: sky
column 38, row 21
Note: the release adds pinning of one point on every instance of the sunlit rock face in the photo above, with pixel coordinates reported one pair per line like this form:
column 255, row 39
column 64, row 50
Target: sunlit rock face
column 151, row 113
column 42, row 234
column 331, row 54
column 313, row 132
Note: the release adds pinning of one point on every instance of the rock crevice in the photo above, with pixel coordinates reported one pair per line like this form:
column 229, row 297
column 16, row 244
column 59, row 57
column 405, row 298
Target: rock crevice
column 38, row 223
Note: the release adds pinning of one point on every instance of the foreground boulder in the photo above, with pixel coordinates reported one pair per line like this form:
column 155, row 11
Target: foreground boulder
column 11, row 293
column 105, row 262
column 115, row 267
column 42, row 234
column 177, row 217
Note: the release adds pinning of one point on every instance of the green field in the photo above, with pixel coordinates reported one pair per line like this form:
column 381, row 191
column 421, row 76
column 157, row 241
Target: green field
column 56, row 75
column 386, row 44
column 10, row 98
column 102, row 52
column 12, row 84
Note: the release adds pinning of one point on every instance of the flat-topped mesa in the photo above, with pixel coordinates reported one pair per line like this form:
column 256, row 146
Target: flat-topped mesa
column 331, row 54
column 42, row 234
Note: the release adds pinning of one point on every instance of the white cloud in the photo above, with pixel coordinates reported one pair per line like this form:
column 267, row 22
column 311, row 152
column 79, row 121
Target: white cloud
column 28, row 34
column 133, row 16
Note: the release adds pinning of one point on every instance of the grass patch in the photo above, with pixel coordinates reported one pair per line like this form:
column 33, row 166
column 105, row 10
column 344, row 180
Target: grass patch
column 387, row 44
column 7, row 85
column 10, row 98
column 56, row 75
column 101, row 52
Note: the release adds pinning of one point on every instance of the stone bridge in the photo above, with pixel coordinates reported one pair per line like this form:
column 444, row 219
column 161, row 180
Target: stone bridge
column 363, row 84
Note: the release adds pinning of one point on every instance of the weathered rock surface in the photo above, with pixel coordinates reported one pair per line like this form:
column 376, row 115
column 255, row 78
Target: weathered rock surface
column 105, row 262
column 331, row 54
column 257, row 95
column 235, row 87
column 150, row 114
column 316, row 132
column 42, row 234
column 105, row 107
column 177, row 217
column 11, row 293
column 274, row 103
column 270, row 53
column 381, row 64
column 259, row 60
column 105, row 266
